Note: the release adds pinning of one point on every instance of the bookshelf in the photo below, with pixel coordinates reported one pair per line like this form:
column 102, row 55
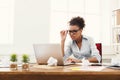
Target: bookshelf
column 116, row 31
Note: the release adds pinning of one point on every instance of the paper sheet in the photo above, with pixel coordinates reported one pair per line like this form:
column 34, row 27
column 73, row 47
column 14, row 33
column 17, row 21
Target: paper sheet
column 4, row 69
column 88, row 68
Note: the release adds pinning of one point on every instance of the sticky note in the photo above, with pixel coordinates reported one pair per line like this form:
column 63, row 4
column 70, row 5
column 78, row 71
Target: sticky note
column 75, row 68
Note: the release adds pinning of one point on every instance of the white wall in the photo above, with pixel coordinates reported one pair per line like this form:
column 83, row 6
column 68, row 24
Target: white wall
column 119, row 4
column 31, row 25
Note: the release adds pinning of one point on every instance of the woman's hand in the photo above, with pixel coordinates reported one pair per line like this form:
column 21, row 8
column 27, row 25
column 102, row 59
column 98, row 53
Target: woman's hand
column 72, row 60
column 63, row 34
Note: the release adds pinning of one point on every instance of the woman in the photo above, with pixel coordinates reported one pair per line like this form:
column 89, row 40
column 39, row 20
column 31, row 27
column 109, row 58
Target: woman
column 81, row 47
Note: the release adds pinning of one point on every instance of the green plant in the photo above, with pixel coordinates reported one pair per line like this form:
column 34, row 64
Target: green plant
column 13, row 57
column 25, row 58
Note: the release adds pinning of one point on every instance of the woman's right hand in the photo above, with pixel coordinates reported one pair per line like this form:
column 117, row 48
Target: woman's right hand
column 72, row 60
column 63, row 34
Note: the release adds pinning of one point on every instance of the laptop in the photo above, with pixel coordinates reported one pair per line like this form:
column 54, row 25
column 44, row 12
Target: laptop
column 44, row 51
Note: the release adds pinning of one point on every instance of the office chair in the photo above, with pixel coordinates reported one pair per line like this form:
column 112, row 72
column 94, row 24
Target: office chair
column 99, row 47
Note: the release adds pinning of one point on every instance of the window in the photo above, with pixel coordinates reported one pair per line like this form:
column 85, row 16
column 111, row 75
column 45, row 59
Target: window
column 6, row 21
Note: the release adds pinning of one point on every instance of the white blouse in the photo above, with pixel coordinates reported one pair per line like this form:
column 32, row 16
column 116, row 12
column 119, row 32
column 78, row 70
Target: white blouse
column 88, row 49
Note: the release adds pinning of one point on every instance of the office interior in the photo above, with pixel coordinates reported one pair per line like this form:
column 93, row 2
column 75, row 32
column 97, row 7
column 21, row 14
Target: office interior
column 27, row 22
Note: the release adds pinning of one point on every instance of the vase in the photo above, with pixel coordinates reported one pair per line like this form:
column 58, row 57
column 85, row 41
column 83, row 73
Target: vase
column 13, row 66
column 25, row 66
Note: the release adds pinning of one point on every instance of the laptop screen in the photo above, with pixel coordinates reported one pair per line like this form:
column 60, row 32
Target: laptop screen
column 44, row 51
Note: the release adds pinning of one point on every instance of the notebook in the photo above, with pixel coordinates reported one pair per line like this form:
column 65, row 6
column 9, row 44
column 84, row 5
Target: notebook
column 44, row 51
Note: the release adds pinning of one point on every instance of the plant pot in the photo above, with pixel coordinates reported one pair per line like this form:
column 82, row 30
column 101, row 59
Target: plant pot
column 13, row 66
column 25, row 66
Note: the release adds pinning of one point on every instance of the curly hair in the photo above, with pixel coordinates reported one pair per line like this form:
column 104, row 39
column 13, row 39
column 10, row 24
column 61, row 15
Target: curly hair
column 78, row 21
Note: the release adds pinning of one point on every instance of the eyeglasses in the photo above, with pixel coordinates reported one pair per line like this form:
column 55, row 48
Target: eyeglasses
column 73, row 31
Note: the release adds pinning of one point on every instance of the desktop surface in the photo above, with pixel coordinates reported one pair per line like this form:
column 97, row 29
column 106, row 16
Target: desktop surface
column 43, row 72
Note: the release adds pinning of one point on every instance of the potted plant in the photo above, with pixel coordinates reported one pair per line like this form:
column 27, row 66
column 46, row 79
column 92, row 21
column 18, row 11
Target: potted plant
column 13, row 59
column 25, row 60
